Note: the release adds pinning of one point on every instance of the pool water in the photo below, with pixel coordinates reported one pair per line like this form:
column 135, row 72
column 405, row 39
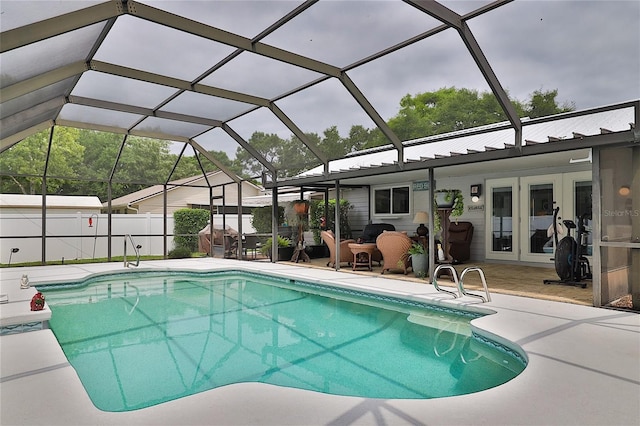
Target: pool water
column 140, row 339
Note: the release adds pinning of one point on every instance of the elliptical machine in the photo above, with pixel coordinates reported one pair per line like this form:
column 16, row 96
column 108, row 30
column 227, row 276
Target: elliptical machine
column 571, row 265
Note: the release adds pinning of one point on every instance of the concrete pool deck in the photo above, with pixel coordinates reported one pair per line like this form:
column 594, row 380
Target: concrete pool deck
column 583, row 367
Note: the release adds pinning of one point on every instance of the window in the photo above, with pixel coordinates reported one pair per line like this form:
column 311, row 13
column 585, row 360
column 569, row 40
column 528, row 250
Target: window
column 391, row 201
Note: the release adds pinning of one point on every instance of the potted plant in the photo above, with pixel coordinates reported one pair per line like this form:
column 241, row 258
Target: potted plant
column 301, row 207
column 285, row 248
column 448, row 199
column 419, row 260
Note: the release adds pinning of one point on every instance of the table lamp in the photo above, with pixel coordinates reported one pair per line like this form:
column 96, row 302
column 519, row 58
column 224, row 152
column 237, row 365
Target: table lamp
column 421, row 218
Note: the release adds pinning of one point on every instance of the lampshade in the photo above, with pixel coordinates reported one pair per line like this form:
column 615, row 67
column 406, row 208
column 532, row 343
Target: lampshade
column 421, row 217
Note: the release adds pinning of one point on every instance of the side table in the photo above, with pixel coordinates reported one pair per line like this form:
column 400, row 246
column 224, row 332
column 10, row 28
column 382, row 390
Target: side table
column 360, row 250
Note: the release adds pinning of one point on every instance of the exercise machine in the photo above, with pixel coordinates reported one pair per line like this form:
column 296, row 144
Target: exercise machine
column 571, row 265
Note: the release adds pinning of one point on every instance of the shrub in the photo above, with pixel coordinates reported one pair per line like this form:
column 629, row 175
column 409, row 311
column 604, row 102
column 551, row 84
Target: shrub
column 317, row 211
column 188, row 222
column 261, row 218
column 179, row 253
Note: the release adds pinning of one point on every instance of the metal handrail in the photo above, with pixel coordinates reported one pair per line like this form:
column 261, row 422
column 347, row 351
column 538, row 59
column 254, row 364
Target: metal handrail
column 133, row 308
column 455, row 278
column 484, row 284
column 136, row 247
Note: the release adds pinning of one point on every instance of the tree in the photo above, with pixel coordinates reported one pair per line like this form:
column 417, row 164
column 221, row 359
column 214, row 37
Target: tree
column 446, row 110
column 24, row 162
column 360, row 137
column 542, row 104
column 268, row 145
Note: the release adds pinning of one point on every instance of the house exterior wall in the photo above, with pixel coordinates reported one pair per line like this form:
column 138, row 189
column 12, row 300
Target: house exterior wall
column 185, row 196
column 473, row 212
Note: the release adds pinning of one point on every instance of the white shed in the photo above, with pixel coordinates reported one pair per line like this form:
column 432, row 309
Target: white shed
column 32, row 204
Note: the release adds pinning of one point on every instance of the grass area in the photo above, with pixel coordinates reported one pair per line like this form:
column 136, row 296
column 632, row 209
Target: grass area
column 96, row 260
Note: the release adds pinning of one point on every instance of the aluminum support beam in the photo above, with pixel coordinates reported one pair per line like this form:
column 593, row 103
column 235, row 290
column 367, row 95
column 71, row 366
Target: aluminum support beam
column 215, row 161
column 48, row 109
column 9, row 141
column 254, row 153
column 299, row 133
column 43, row 80
column 175, row 83
column 609, row 139
column 22, row 36
column 215, row 34
column 373, row 114
column 454, row 20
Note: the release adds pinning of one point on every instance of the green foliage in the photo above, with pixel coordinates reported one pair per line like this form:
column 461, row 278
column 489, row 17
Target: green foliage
column 317, row 212
column 179, row 252
column 188, row 222
column 458, row 200
column 446, row 110
column 449, row 109
column 542, row 104
column 457, row 209
column 261, row 218
column 25, row 161
column 417, row 248
column 282, row 242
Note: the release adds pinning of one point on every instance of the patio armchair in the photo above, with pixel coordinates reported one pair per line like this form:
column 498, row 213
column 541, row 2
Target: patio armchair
column 459, row 240
column 394, row 247
column 345, row 254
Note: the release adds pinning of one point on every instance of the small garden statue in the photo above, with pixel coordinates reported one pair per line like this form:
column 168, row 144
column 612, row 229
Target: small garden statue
column 24, row 281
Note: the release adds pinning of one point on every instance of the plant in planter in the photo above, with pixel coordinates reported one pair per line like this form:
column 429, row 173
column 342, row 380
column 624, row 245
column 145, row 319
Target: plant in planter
column 301, row 207
column 318, row 221
column 285, row 248
column 448, row 198
column 419, row 260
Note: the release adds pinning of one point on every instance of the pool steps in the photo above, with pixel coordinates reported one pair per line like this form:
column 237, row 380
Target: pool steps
column 460, row 282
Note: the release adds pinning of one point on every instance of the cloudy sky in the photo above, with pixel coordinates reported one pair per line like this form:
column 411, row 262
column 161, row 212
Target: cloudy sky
column 588, row 50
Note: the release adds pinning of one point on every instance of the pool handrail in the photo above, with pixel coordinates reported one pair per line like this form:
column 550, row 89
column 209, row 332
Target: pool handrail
column 455, row 278
column 460, row 282
column 136, row 247
column 484, row 283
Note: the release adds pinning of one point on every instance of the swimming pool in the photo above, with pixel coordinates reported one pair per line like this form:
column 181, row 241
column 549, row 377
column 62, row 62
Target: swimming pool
column 143, row 338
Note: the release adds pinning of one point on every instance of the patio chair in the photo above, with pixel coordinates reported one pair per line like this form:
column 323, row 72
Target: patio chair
column 230, row 246
column 251, row 243
column 394, row 247
column 345, row 253
column 459, row 240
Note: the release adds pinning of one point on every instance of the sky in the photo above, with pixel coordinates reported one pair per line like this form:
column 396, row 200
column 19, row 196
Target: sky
column 588, row 50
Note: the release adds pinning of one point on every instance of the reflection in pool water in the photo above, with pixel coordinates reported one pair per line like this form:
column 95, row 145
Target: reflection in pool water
column 140, row 339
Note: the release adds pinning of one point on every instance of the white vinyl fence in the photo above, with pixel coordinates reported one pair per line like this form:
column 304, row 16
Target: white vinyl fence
column 70, row 235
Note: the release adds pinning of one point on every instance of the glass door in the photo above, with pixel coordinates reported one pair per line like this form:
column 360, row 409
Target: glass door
column 541, row 194
column 502, row 241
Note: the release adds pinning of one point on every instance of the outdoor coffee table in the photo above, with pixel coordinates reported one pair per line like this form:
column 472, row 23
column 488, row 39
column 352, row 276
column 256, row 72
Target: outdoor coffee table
column 362, row 253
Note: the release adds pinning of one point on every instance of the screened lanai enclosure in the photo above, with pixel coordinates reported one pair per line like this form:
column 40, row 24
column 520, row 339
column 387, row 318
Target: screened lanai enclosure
column 116, row 96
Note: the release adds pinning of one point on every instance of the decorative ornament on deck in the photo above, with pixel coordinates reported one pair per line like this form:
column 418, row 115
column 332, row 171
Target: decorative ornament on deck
column 37, row 302
column 24, row 281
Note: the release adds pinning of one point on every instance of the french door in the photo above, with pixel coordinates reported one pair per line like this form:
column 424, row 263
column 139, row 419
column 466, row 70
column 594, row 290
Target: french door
column 501, row 241
column 520, row 218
